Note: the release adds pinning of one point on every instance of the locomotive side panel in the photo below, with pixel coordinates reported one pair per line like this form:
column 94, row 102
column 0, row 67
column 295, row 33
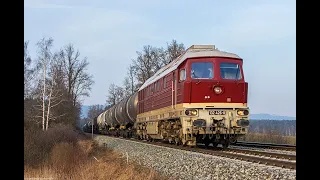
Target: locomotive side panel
column 165, row 92
column 162, row 97
column 181, row 81
column 156, row 95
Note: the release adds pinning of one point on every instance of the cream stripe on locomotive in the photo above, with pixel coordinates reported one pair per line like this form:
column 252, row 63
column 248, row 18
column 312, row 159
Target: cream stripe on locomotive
column 169, row 112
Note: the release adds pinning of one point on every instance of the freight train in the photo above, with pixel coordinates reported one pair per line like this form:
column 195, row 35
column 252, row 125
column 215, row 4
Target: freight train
column 200, row 97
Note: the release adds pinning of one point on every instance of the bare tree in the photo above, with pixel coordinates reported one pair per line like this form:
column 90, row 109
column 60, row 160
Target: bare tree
column 27, row 71
column 94, row 111
column 144, row 64
column 112, row 96
column 131, row 78
column 44, row 58
column 162, row 58
column 151, row 59
column 119, row 94
column 55, row 89
column 174, row 50
column 30, row 72
column 115, row 94
column 129, row 83
column 79, row 82
column 127, row 87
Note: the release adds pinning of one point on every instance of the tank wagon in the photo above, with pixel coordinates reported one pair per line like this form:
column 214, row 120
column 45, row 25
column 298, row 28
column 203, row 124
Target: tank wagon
column 120, row 118
column 200, row 97
column 87, row 127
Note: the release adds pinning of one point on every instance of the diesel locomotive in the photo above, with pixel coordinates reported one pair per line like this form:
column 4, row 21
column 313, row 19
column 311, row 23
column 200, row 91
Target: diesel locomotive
column 200, row 97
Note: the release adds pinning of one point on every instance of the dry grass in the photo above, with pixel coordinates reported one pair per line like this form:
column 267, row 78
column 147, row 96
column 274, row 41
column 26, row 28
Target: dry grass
column 62, row 153
column 269, row 138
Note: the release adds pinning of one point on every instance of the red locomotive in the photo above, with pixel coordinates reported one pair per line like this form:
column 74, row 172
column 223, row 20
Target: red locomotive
column 200, row 97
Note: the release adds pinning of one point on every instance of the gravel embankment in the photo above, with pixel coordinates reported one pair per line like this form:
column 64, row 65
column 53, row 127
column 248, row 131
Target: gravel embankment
column 190, row 165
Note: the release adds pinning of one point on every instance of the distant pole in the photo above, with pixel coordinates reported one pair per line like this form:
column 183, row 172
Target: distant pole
column 92, row 129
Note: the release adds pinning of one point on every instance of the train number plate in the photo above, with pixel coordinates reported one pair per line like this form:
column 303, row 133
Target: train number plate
column 217, row 112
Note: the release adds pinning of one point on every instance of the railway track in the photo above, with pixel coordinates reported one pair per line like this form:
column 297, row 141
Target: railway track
column 285, row 147
column 264, row 154
column 244, row 155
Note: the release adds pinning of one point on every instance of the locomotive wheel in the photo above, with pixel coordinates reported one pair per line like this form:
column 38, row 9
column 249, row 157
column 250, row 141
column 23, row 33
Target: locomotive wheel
column 225, row 143
column 214, row 144
column 233, row 140
column 182, row 138
column 207, row 143
column 150, row 139
column 177, row 141
column 184, row 142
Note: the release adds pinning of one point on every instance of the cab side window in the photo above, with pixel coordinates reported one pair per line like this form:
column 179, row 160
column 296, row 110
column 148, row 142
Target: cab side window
column 182, row 74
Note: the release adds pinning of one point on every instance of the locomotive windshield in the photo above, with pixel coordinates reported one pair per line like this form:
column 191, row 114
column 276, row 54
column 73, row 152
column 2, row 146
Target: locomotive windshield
column 230, row 71
column 202, row 70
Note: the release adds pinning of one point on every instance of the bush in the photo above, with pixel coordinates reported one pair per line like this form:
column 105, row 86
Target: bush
column 63, row 153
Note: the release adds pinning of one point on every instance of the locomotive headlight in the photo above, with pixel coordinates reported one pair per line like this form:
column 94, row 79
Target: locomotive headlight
column 194, row 112
column 191, row 112
column 217, row 90
column 242, row 112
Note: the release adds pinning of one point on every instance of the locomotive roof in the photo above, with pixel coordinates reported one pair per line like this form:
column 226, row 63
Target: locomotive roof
column 191, row 52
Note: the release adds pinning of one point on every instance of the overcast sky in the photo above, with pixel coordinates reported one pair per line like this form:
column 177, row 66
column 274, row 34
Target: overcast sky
column 109, row 33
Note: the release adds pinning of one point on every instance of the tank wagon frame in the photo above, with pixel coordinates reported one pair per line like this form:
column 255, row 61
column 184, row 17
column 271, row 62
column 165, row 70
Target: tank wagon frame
column 200, row 97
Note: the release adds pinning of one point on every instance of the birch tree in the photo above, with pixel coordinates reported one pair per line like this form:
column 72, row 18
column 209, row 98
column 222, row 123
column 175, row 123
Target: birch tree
column 55, row 86
column 44, row 58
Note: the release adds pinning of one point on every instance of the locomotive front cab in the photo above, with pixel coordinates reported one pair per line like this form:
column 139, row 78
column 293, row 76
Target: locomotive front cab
column 215, row 99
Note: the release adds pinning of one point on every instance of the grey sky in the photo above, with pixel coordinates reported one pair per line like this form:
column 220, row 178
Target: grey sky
column 109, row 33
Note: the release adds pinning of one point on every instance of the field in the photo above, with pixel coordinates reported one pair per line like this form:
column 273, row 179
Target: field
column 269, row 138
column 64, row 153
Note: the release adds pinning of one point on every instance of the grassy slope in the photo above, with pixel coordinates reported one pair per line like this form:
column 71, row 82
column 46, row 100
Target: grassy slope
column 63, row 153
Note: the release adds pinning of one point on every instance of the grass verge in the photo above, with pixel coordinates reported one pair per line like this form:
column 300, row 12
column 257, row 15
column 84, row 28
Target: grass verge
column 63, row 153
